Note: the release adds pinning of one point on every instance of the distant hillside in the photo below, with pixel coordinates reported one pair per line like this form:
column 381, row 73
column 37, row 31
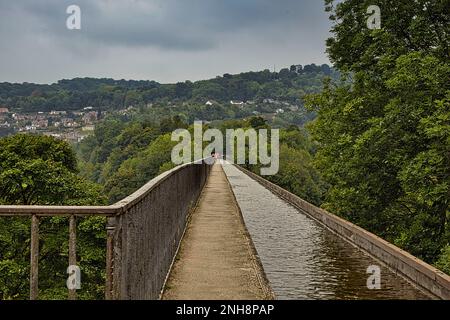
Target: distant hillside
column 290, row 84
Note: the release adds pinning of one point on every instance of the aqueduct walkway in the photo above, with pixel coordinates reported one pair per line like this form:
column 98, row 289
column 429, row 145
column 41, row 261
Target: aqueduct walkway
column 216, row 258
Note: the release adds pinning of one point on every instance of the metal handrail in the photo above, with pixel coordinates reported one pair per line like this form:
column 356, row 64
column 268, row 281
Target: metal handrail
column 117, row 209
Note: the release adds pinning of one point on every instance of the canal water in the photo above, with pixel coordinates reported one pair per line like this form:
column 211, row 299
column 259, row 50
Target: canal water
column 304, row 260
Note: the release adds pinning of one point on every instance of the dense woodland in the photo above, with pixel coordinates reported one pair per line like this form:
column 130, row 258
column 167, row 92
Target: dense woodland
column 42, row 170
column 374, row 148
column 384, row 138
column 290, row 84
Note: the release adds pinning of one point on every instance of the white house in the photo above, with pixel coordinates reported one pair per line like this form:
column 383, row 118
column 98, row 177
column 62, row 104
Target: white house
column 237, row 103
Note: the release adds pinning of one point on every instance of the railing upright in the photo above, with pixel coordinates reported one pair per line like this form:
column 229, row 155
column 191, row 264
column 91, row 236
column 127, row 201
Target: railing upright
column 72, row 251
column 34, row 256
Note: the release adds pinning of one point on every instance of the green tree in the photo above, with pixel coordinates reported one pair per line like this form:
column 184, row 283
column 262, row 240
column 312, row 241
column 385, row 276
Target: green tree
column 383, row 136
column 139, row 169
column 42, row 170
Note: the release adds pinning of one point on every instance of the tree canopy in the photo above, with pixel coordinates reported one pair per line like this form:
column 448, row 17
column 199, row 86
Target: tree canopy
column 43, row 171
column 384, row 137
column 109, row 94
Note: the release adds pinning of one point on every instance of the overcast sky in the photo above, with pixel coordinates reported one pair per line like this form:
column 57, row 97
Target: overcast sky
column 162, row 40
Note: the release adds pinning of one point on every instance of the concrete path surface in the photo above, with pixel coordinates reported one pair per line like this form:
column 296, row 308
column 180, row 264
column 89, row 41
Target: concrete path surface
column 217, row 259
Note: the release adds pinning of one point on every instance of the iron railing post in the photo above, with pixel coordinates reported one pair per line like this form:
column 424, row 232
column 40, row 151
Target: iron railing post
column 34, row 257
column 72, row 251
column 110, row 233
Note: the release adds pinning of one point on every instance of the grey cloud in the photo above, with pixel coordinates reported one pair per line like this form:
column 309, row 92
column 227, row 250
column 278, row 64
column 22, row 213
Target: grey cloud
column 172, row 24
column 170, row 33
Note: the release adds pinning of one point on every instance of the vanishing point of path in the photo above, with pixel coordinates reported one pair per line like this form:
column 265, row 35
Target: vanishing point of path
column 217, row 259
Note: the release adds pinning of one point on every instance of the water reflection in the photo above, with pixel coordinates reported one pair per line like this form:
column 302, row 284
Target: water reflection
column 302, row 259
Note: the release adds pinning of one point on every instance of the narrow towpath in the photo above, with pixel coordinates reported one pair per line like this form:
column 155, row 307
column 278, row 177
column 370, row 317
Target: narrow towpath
column 216, row 258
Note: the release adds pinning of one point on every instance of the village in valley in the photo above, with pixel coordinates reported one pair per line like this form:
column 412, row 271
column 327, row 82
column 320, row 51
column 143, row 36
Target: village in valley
column 71, row 126
column 75, row 125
